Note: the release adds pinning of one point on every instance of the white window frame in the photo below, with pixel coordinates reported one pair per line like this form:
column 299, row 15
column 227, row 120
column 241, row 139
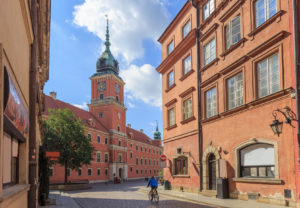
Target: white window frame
column 231, row 37
column 90, row 169
column 171, row 120
column 187, row 64
column 211, row 102
column 269, row 73
column 209, row 51
column 187, row 109
column 186, row 28
column 171, row 78
column 169, row 48
column 208, row 9
column 266, row 8
column 98, row 171
column 98, row 159
column 235, row 91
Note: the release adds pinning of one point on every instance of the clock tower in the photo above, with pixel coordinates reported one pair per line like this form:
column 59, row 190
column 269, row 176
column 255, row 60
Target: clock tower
column 107, row 102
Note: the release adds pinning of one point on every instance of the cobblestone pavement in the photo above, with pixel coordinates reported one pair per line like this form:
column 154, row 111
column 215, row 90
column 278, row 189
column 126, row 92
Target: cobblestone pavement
column 124, row 195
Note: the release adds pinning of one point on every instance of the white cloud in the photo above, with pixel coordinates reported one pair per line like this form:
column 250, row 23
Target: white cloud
column 83, row 106
column 131, row 22
column 130, row 105
column 143, row 83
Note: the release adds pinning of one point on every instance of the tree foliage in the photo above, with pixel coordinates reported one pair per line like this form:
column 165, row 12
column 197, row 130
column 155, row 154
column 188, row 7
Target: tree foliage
column 65, row 133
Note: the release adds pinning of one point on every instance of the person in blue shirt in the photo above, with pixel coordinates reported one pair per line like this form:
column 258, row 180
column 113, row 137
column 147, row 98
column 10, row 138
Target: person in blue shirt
column 153, row 183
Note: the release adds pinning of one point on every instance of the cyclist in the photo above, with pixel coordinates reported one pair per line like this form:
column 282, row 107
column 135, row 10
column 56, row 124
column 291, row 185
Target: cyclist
column 153, row 183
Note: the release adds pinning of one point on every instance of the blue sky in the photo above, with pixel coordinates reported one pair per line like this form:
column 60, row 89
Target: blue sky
column 76, row 42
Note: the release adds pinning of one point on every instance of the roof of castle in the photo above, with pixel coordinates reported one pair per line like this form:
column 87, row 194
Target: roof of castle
column 85, row 116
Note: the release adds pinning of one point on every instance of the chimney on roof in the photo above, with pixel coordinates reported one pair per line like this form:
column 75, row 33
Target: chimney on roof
column 141, row 130
column 129, row 125
column 53, row 95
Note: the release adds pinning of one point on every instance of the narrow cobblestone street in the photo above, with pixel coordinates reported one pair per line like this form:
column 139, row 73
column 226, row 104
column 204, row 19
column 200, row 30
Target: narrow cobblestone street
column 120, row 196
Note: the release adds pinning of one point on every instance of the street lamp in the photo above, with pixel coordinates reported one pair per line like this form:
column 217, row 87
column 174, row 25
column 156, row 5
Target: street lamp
column 289, row 117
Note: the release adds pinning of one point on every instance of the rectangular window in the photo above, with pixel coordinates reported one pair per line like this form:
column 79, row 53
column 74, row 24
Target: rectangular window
column 141, row 161
column 187, row 109
column 141, row 171
column 146, row 161
column 68, row 172
column 106, row 140
column 268, row 76
column 137, row 171
column 89, row 171
column 149, row 162
column 131, row 169
column 98, row 139
column 98, row 171
column 106, row 157
column 98, row 157
column 79, row 172
column 171, row 117
column 171, row 79
column 181, row 167
column 137, row 160
column 209, row 52
column 187, row 64
column 119, row 143
column 131, row 155
column 141, row 149
column 106, row 171
column 211, row 102
column 264, row 10
column 186, row 29
column 171, row 47
column 235, row 91
column 208, row 9
column 101, row 96
column 136, row 147
column 10, row 159
column 233, row 32
column 89, row 136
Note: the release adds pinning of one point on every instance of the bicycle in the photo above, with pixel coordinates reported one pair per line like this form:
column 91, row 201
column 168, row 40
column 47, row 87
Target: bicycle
column 154, row 196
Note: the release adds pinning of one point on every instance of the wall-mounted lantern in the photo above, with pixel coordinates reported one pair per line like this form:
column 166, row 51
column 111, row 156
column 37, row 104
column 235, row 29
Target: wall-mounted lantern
column 289, row 117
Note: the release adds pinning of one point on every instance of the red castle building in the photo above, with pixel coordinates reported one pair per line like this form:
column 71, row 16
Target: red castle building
column 120, row 151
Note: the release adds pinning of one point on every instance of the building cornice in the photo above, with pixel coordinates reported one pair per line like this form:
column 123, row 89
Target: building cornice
column 27, row 20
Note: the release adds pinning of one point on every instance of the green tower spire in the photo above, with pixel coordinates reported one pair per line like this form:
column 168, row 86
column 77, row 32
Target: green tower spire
column 157, row 134
column 107, row 43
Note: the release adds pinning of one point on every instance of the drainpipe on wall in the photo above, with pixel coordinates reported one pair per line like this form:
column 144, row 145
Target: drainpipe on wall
column 199, row 94
column 32, row 203
column 295, row 38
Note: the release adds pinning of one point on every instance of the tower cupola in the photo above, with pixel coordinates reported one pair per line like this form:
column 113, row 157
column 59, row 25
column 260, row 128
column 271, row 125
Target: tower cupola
column 107, row 64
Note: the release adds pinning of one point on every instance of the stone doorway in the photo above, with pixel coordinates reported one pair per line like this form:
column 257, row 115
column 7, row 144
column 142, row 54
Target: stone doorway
column 210, row 169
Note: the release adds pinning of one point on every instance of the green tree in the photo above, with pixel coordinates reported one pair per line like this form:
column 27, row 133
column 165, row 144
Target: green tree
column 65, row 133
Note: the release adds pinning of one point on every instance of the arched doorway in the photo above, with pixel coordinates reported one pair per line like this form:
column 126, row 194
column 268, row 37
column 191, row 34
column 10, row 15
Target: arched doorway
column 212, row 179
column 120, row 172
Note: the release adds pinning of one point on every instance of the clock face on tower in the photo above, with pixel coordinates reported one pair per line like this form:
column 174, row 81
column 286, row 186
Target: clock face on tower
column 117, row 88
column 101, row 86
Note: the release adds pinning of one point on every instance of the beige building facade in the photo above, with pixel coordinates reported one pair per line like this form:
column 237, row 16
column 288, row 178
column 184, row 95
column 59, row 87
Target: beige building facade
column 24, row 61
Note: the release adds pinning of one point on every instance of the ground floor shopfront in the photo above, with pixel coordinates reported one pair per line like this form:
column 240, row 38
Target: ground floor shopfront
column 241, row 147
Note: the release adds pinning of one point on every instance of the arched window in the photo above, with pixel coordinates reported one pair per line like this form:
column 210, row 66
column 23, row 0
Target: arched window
column 257, row 160
column 181, row 166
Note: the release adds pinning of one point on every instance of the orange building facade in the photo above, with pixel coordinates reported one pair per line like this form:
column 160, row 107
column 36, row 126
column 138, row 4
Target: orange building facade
column 120, row 151
column 245, row 74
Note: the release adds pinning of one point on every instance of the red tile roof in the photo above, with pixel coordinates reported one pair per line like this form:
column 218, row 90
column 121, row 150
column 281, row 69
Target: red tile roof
column 140, row 137
column 85, row 116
